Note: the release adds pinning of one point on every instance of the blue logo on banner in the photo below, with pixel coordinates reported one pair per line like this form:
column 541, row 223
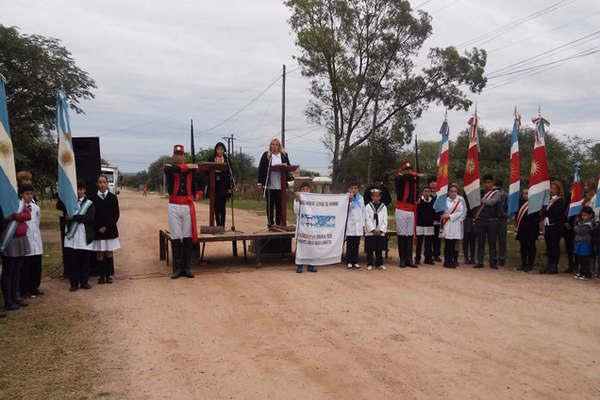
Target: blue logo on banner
column 317, row 221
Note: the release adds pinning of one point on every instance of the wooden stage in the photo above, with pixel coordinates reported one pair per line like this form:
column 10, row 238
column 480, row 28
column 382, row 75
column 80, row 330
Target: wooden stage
column 260, row 239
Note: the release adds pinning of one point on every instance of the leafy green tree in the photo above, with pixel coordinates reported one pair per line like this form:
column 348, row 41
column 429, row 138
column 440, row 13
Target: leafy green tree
column 360, row 57
column 36, row 67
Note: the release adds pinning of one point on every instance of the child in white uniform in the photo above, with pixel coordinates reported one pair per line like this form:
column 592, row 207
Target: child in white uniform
column 452, row 225
column 375, row 229
column 355, row 226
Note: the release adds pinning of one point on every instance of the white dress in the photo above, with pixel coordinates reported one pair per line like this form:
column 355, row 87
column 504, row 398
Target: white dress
column 34, row 235
column 453, row 228
column 356, row 217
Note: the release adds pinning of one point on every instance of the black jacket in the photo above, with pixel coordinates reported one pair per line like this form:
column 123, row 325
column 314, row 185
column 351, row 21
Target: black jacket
column 263, row 167
column 223, row 179
column 107, row 215
column 183, row 189
column 529, row 227
column 86, row 219
column 555, row 212
column 386, row 198
column 425, row 212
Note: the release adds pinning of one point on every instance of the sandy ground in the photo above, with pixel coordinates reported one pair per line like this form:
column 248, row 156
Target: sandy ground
column 237, row 332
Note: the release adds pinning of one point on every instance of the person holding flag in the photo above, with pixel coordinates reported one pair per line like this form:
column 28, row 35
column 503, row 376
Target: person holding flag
column 182, row 211
column 13, row 214
column 554, row 219
column 487, row 222
column 527, row 229
column 575, row 206
column 452, row 225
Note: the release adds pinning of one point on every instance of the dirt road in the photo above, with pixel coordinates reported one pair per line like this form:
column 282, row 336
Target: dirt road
column 236, row 332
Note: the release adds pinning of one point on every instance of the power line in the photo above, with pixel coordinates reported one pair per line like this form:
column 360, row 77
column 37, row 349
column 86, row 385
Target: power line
column 547, row 52
column 501, row 30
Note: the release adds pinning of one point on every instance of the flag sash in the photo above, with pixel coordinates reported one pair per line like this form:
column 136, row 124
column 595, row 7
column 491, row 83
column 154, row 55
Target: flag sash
column 73, row 226
column 521, row 214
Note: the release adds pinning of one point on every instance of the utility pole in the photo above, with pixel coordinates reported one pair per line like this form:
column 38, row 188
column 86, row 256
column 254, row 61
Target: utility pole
column 283, row 107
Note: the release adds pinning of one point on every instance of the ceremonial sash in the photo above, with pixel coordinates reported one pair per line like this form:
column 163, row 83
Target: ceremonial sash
column 10, row 230
column 450, row 214
column 521, row 213
column 487, row 196
column 82, row 210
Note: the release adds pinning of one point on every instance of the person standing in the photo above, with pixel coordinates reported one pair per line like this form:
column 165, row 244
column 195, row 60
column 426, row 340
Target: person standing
column 554, row 220
column 407, row 183
column 106, row 239
column 79, row 238
column 502, row 222
column 304, row 188
column 270, row 181
column 425, row 230
column 487, row 222
column 31, row 277
column 469, row 242
column 13, row 257
column 223, row 183
column 375, row 228
column 527, row 228
column 584, row 243
column 355, row 225
column 437, row 241
column 452, row 225
column 181, row 186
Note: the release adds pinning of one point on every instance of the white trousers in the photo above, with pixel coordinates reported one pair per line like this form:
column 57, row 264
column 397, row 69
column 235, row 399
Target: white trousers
column 180, row 221
column 405, row 223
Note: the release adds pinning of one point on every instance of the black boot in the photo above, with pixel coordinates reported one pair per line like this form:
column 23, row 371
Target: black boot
column 401, row 250
column 177, row 247
column 187, row 258
column 408, row 260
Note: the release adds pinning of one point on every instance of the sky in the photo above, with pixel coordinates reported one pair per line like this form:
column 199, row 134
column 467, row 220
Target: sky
column 159, row 64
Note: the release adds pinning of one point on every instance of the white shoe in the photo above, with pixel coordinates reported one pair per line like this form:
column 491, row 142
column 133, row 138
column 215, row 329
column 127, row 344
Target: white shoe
column 356, row 266
column 349, row 266
column 369, row 267
column 383, row 267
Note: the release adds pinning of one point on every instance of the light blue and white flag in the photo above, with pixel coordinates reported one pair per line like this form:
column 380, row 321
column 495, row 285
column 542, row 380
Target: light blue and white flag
column 67, row 174
column 9, row 197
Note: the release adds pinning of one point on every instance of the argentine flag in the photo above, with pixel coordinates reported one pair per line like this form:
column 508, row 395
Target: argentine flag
column 9, row 198
column 443, row 164
column 67, row 175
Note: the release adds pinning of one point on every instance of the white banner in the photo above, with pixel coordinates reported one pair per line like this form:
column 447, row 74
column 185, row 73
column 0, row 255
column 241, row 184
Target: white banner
column 320, row 228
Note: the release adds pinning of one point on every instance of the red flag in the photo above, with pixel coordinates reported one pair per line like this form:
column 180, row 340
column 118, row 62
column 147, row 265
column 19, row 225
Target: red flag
column 471, row 178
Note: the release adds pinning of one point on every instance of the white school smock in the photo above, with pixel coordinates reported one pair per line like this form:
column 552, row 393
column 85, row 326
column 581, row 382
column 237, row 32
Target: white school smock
column 356, row 217
column 78, row 240
column 34, row 235
column 370, row 219
column 453, row 228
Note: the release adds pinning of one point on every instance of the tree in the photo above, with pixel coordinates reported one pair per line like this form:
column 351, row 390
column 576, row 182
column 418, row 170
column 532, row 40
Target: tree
column 360, row 57
column 36, row 67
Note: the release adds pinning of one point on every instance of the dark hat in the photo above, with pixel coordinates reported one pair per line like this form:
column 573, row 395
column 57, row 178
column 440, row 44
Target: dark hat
column 178, row 150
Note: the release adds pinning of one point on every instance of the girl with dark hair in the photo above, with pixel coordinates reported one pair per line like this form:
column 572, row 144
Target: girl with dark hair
column 223, row 183
column 106, row 239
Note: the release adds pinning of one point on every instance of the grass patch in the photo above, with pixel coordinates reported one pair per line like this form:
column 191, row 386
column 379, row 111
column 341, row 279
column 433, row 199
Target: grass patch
column 49, row 352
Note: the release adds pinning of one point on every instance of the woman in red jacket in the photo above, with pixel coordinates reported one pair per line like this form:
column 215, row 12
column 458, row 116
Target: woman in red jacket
column 13, row 257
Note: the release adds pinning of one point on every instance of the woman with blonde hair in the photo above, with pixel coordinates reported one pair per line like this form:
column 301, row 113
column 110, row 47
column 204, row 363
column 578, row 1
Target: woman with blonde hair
column 270, row 181
column 554, row 220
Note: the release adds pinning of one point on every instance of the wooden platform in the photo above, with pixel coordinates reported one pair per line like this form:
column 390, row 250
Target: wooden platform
column 164, row 237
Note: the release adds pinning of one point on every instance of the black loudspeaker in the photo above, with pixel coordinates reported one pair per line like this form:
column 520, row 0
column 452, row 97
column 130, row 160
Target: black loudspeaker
column 87, row 161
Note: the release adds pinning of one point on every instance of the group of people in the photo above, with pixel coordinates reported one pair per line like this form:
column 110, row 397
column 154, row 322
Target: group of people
column 479, row 228
column 90, row 235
